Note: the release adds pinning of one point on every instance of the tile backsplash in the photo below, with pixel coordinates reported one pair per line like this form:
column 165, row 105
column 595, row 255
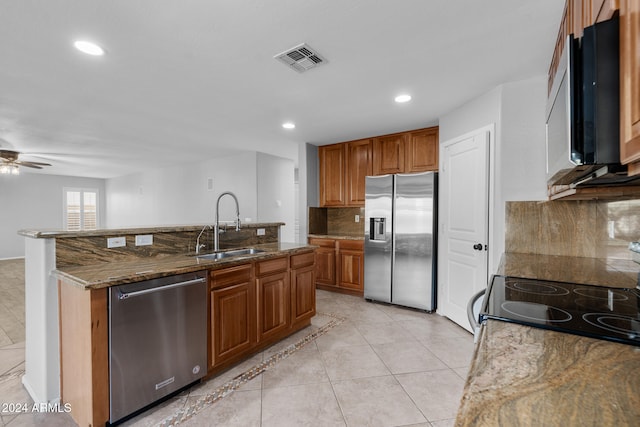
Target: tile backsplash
column 596, row 229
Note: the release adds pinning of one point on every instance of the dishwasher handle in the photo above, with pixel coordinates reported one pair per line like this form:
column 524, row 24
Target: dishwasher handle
column 125, row 295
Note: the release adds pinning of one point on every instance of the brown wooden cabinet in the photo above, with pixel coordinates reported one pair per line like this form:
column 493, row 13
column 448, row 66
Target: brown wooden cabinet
column 325, row 261
column 344, row 166
column 344, row 265
column 303, row 288
column 332, row 168
column 358, row 166
column 232, row 324
column 272, row 283
column 630, row 85
column 351, row 265
column 421, row 151
column 388, row 154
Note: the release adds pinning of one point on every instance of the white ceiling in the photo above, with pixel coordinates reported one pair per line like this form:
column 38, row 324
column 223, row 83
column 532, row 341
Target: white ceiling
column 184, row 80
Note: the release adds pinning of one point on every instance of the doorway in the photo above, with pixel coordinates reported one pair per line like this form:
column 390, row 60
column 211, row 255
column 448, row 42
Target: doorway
column 463, row 248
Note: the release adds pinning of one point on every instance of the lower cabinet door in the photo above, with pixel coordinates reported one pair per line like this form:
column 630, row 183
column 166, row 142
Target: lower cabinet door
column 351, row 265
column 273, row 305
column 232, row 321
column 303, row 294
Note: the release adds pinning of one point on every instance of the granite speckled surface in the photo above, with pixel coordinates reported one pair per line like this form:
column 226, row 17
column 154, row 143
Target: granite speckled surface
column 534, row 377
column 107, row 274
column 336, row 236
column 57, row 233
column 611, row 272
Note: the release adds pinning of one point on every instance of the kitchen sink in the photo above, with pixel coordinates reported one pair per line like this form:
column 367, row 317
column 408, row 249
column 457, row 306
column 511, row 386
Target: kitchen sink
column 230, row 253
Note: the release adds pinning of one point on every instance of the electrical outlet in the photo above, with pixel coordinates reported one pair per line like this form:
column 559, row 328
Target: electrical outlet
column 357, row 218
column 116, row 242
column 260, row 232
column 144, row 240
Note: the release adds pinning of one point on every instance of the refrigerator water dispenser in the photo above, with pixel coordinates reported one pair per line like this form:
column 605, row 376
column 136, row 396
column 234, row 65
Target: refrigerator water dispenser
column 376, row 229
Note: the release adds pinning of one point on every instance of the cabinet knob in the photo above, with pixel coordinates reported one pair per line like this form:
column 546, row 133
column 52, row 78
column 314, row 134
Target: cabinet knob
column 477, row 246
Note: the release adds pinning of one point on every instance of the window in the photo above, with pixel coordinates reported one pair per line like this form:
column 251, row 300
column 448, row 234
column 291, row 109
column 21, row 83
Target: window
column 80, row 209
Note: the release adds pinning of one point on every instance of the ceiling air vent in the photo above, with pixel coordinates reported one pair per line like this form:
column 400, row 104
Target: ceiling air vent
column 301, row 58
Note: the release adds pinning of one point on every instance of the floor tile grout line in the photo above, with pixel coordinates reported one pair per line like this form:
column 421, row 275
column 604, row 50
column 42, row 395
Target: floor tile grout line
column 229, row 387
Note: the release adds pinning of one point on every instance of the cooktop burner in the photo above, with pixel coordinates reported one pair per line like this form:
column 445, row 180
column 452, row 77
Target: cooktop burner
column 606, row 313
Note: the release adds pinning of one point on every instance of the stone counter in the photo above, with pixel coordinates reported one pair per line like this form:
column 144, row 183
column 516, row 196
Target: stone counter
column 610, row 272
column 337, row 236
column 107, row 274
column 534, row 377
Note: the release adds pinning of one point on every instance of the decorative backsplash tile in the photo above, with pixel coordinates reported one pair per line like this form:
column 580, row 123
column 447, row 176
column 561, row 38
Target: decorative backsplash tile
column 597, row 229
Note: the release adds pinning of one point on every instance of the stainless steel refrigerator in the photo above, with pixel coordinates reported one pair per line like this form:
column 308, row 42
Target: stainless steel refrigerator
column 400, row 239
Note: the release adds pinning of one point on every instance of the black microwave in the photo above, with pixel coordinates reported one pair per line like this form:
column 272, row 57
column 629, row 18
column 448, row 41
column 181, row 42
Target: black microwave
column 583, row 109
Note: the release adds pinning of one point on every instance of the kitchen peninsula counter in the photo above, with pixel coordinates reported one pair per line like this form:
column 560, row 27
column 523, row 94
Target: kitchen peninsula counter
column 528, row 376
column 337, row 236
column 108, row 274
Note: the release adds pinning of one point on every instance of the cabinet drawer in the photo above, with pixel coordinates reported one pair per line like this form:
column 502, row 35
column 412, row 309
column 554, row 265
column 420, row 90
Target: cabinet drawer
column 230, row 276
column 271, row 266
column 354, row 245
column 323, row 243
column 302, row 260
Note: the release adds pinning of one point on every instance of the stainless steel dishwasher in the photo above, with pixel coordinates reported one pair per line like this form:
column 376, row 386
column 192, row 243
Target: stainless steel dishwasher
column 157, row 340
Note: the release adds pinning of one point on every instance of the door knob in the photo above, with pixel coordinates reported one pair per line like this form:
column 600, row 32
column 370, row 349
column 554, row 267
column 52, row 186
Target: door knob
column 477, row 246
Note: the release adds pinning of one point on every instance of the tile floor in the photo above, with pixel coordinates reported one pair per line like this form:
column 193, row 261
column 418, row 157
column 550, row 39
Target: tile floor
column 374, row 365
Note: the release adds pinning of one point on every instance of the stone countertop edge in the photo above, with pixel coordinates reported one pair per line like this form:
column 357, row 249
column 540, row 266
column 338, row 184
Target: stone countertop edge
column 104, row 275
column 336, row 236
column 53, row 233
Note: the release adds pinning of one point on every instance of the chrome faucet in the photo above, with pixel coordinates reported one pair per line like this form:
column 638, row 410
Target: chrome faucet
column 216, row 238
column 198, row 245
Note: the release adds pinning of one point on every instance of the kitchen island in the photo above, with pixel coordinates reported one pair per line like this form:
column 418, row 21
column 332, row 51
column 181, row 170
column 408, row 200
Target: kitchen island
column 68, row 296
column 528, row 376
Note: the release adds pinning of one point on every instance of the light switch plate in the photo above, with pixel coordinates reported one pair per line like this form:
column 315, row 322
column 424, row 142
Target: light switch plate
column 357, row 219
column 144, row 240
column 116, row 242
column 260, row 232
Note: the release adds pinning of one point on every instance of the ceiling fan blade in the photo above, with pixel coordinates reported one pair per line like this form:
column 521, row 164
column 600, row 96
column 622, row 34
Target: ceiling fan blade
column 31, row 164
column 28, row 164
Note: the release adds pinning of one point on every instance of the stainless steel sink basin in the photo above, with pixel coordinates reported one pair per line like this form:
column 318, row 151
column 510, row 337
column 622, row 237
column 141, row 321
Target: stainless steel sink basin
column 230, row 253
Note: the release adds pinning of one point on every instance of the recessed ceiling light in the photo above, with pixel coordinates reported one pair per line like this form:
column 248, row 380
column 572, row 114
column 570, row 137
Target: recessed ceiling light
column 288, row 125
column 403, row 98
column 88, row 48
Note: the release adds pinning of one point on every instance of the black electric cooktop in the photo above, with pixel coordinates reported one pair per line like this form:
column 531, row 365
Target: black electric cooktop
column 611, row 314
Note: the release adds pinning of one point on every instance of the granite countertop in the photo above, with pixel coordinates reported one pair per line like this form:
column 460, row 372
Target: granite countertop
column 533, row 377
column 528, row 376
column 53, row 233
column 336, row 236
column 108, row 274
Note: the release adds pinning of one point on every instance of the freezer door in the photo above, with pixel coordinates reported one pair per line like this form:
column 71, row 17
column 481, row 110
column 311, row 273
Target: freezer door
column 378, row 255
column 414, row 241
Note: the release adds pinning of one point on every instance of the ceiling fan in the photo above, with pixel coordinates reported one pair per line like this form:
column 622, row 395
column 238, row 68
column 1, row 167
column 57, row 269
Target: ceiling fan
column 9, row 163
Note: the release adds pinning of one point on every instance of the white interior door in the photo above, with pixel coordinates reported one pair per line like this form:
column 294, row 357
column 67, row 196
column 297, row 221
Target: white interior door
column 464, row 223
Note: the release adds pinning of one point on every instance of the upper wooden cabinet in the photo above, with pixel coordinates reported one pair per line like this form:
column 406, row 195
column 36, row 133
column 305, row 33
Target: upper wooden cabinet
column 358, row 166
column 332, row 167
column 388, row 154
column 344, row 166
column 421, row 151
column 630, row 85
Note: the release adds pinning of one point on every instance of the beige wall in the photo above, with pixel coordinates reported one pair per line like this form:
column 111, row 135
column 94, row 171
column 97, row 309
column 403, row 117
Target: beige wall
column 595, row 229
